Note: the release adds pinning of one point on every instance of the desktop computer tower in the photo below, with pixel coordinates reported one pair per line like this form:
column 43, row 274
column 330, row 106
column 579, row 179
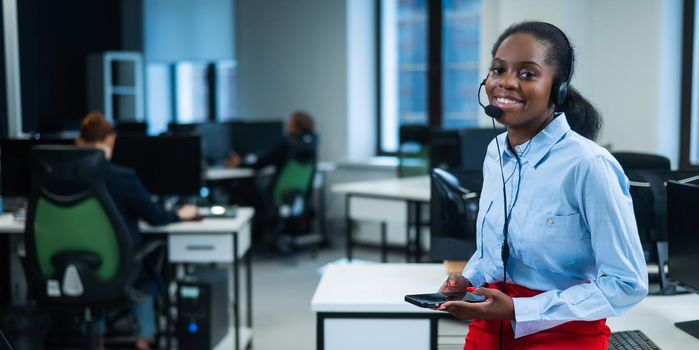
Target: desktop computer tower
column 202, row 309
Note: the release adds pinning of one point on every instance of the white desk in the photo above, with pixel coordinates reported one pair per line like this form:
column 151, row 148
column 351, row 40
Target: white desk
column 221, row 173
column 212, row 240
column 656, row 317
column 363, row 307
column 389, row 200
column 368, row 299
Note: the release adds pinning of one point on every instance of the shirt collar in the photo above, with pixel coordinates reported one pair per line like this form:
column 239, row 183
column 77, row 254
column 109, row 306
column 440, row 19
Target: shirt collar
column 541, row 143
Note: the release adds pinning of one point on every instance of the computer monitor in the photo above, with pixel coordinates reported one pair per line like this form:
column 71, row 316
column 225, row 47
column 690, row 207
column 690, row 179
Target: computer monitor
column 167, row 165
column 131, row 128
column 445, row 148
column 216, row 139
column 474, row 146
column 453, row 213
column 683, row 241
column 460, row 148
column 15, row 175
column 256, row 136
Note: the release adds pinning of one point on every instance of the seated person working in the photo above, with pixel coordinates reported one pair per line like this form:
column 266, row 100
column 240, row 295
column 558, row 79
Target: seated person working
column 300, row 136
column 300, row 144
column 134, row 203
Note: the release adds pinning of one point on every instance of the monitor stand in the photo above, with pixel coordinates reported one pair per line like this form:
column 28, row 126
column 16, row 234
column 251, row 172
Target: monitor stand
column 691, row 327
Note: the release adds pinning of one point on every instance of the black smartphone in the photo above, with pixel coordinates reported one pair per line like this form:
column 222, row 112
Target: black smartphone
column 434, row 300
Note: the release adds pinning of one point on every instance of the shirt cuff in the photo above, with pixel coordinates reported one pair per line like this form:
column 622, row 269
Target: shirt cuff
column 527, row 316
column 475, row 278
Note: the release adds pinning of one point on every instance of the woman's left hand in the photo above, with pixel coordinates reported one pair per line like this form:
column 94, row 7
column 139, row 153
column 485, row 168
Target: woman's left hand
column 499, row 306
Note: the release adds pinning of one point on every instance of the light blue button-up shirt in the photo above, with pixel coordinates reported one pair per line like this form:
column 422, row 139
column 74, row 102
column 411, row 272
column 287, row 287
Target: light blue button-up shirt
column 572, row 230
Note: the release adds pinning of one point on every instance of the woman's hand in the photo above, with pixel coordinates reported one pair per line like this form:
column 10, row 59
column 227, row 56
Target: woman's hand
column 455, row 283
column 499, row 306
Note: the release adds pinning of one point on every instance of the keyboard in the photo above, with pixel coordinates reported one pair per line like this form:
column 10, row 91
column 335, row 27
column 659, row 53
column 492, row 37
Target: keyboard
column 631, row 340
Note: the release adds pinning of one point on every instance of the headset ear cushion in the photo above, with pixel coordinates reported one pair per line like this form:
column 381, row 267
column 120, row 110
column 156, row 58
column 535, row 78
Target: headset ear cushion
column 561, row 93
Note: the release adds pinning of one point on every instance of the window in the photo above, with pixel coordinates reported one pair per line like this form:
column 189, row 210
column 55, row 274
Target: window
column 689, row 134
column 419, row 39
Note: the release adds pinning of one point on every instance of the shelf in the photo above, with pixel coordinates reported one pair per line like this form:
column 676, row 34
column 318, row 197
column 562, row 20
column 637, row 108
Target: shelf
column 227, row 341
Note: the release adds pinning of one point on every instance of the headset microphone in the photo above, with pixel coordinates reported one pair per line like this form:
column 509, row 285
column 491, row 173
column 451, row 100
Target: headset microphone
column 490, row 110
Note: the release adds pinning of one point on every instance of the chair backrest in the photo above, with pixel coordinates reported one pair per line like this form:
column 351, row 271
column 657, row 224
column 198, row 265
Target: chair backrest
column 79, row 249
column 296, row 174
column 413, row 150
column 453, row 213
column 632, row 160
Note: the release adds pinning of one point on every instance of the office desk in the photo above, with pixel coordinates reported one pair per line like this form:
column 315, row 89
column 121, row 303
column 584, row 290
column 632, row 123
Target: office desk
column 391, row 200
column 222, row 174
column 362, row 307
column 216, row 240
column 656, row 317
column 212, row 240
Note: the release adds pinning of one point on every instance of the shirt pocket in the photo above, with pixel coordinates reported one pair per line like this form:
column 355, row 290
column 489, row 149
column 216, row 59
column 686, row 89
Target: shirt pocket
column 484, row 211
column 551, row 241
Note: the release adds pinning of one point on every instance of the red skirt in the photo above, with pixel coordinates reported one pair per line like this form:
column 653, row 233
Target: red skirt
column 482, row 334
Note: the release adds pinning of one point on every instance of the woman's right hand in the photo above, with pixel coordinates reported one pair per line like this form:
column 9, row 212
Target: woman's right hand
column 455, row 283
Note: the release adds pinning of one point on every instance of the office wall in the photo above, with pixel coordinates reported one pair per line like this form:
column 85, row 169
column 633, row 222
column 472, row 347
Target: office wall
column 627, row 62
column 177, row 30
column 293, row 55
column 297, row 55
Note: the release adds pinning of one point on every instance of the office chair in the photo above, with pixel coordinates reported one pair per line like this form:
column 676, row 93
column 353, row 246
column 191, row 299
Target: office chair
column 632, row 161
column 453, row 213
column 413, row 150
column 647, row 175
column 291, row 194
column 78, row 249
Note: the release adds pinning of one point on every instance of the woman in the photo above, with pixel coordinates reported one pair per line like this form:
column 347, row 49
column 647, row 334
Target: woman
column 572, row 256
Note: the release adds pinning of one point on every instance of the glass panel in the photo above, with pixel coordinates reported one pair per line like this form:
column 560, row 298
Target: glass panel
column 159, row 101
column 403, row 67
column 225, row 90
column 460, row 54
column 694, row 132
column 191, row 92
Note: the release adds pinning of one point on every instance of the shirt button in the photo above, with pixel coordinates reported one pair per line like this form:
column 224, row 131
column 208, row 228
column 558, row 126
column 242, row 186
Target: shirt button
column 550, row 221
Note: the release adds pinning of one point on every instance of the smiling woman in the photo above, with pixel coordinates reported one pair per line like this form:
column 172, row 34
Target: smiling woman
column 558, row 249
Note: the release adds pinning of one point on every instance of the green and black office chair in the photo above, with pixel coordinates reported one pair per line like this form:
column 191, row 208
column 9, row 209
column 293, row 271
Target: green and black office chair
column 292, row 189
column 78, row 250
column 413, row 150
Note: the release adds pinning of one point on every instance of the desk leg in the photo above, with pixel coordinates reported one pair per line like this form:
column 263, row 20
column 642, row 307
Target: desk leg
column 167, row 302
column 348, row 227
column 408, row 226
column 384, row 243
column 5, row 271
column 321, row 210
column 248, row 268
column 320, row 331
column 236, row 294
column 434, row 330
column 418, row 222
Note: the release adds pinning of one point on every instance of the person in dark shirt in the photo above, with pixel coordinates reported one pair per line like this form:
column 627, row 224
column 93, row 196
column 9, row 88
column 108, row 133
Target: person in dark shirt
column 134, row 204
column 300, row 141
